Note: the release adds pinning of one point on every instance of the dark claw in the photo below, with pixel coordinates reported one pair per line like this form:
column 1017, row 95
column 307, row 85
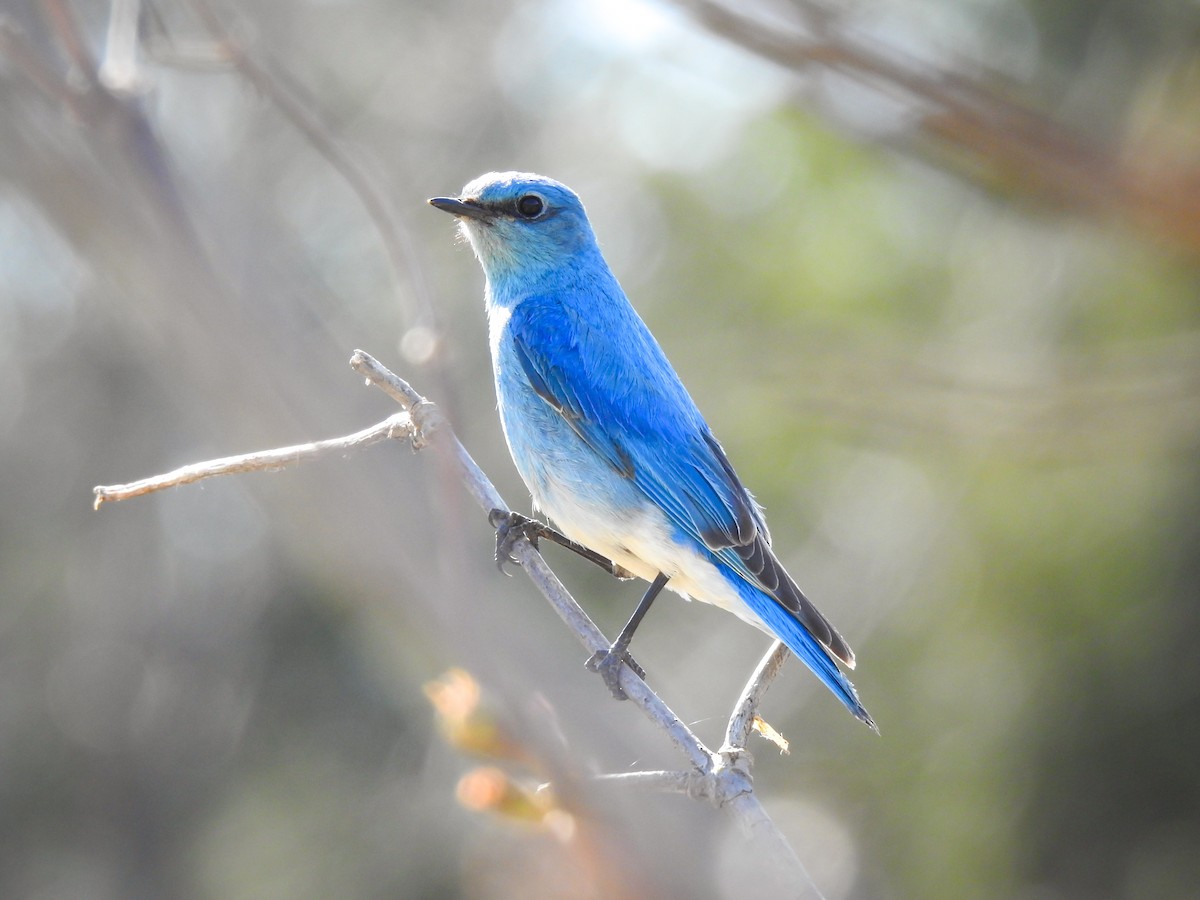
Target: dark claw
column 607, row 664
column 510, row 528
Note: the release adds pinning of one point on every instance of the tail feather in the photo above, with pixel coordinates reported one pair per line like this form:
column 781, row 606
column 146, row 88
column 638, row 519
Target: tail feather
column 801, row 642
column 765, row 568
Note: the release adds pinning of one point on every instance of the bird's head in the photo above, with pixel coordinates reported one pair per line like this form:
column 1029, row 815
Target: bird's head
column 519, row 223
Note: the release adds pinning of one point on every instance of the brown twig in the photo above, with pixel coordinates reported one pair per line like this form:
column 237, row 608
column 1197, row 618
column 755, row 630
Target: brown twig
column 1000, row 141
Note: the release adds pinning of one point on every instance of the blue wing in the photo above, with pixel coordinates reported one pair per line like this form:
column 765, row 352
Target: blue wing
column 617, row 392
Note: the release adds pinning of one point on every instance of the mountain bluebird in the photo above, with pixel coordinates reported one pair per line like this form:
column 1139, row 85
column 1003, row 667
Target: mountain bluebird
column 606, row 436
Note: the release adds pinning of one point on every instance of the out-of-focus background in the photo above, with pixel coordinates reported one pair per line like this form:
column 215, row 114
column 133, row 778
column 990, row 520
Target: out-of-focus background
column 930, row 271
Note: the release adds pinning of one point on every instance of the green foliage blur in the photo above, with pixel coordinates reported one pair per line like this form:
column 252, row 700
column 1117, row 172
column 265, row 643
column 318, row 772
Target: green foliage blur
column 970, row 410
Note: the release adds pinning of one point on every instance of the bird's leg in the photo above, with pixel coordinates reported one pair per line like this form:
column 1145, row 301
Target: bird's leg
column 608, row 662
column 511, row 526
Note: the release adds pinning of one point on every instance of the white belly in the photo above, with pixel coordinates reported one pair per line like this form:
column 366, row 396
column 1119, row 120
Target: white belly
column 641, row 541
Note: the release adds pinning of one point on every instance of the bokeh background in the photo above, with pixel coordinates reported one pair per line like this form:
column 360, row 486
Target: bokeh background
column 929, row 269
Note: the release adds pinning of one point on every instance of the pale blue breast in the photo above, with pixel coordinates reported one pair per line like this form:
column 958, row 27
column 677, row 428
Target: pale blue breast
column 561, row 471
column 591, row 503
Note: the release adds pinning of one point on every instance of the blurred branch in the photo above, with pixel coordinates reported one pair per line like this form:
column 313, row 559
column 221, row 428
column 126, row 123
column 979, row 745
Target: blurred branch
column 119, row 72
column 723, row 778
column 126, row 141
column 994, row 140
column 16, row 49
column 62, row 22
column 397, row 240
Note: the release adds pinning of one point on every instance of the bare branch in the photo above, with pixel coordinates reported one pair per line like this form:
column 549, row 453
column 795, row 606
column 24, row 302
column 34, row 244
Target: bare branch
column 430, row 426
column 723, row 779
column 729, row 787
column 788, row 875
column 586, row 632
column 391, row 384
column 399, row 425
column 742, row 720
column 663, row 782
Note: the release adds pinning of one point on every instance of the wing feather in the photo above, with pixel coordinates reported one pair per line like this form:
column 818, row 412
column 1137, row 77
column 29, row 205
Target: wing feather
column 639, row 418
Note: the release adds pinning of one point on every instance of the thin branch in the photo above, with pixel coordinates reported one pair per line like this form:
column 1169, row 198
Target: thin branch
column 422, row 422
column 395, row 387
column 664, row 782
column 723, row 779
column 730, row 787
column 593, row 640
column 742, row 720
column 399, row 425
column 432, row 427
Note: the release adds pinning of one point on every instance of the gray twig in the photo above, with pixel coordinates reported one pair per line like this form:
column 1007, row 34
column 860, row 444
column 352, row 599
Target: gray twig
column 721, row 778
column 396, row 426
column 430, row 427
column 742, row 720
column 724, row 778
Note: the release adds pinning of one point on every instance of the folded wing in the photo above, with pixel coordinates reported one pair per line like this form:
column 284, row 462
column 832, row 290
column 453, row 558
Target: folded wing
column 639, row 418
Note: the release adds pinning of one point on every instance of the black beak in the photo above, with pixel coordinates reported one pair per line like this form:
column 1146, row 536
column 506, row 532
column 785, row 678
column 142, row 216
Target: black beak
column 461, row 208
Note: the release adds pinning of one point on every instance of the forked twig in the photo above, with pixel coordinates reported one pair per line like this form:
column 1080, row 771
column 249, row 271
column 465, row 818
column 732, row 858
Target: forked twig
column 723, row 778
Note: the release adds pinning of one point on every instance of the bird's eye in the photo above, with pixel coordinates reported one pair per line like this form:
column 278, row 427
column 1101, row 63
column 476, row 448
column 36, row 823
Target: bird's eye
column 530, row 206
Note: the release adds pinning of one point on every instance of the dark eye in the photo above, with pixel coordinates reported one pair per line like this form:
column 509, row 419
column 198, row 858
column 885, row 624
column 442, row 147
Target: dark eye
column 530, row 206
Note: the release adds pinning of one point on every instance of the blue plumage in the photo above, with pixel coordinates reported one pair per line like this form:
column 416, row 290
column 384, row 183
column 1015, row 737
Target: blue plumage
column 603, row 431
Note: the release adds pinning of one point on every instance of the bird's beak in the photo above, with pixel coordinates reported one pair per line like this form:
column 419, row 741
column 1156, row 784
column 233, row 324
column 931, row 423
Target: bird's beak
column 461, row 208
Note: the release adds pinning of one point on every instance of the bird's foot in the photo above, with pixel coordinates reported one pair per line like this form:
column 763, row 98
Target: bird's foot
column 607, row 663
column 510, row 528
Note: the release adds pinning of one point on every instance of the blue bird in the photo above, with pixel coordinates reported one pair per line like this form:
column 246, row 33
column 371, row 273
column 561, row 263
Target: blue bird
column 607, row 438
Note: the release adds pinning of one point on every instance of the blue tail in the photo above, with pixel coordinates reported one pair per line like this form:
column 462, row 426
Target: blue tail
column 789, row 630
